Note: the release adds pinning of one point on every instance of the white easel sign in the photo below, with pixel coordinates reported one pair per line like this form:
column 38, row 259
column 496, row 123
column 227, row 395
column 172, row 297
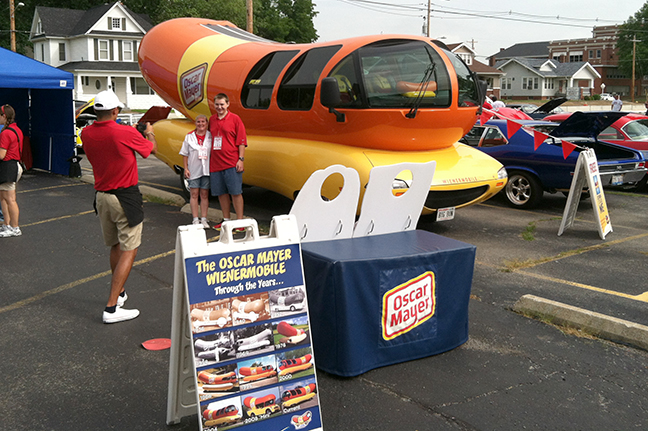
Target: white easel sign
column 587, row 172
column 246, row 310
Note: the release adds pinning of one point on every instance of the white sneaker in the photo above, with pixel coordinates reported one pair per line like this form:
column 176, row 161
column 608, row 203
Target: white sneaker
column 205, row 223
column 120, row 315
column 9, row 231
column 121, row 300
column 195, row 221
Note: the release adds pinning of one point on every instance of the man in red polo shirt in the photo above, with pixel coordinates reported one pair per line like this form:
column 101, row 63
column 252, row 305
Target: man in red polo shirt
column 111, row 148
column 226, row 158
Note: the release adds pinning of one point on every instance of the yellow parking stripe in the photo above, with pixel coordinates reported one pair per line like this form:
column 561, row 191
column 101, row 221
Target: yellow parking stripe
column 643, row 297
column 76, row 283
column 57, row 218
column 52, row 187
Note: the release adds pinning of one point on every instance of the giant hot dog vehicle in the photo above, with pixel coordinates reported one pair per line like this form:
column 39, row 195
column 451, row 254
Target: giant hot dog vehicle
column 360, row 102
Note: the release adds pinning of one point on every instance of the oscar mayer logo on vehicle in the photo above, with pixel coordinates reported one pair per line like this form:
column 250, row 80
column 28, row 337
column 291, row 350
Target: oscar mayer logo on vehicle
column 191, row 83
column 407, row 306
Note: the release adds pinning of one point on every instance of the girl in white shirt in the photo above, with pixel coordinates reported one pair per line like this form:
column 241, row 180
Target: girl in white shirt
column 195, row 153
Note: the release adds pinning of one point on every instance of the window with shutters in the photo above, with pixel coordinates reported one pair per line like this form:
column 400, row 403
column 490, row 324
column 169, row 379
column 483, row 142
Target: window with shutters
column 103, row 50
column 127, row 48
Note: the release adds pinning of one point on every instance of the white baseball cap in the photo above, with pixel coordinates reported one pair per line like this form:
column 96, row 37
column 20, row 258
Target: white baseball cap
column 107, row 100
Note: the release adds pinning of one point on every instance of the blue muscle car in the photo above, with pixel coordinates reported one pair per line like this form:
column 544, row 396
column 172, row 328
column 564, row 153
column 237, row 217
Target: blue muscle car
column 530, row 173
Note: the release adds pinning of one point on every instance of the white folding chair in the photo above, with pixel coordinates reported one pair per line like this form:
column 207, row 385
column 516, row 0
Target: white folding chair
column 319, row 219
column 383, row 212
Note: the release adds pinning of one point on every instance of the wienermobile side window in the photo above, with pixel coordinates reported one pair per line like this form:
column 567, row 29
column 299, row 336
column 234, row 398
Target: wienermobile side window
column 261, row 80
column 297, row 89
column 393, row 74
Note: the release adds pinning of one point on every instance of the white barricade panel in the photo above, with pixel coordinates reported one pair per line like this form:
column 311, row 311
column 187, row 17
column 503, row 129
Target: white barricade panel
column 241, row 331
column 383, row 212
column 320, row 220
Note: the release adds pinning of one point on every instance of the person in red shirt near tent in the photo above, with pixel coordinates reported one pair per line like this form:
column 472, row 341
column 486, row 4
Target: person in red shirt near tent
column 226, row 158
column 11, row 140
column 111, row 150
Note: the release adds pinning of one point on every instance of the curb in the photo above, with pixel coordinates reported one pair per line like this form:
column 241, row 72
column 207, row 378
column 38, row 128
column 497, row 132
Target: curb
column 597, row 324
column 213, row 214
column 174, row 198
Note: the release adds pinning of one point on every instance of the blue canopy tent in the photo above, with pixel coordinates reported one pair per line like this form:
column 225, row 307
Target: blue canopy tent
column 42, row 98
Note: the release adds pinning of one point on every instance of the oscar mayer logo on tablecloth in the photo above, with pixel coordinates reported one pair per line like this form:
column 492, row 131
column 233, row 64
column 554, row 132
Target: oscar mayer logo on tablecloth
column 407, row 306
column 191, row 85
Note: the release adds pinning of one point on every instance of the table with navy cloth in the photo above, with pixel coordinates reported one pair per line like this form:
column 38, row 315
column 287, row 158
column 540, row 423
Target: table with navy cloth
column 349, row 280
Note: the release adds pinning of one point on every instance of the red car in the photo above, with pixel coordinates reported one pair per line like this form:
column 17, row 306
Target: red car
column 630, row 131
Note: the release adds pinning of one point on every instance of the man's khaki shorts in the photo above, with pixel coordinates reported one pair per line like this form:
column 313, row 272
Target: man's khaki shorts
column 114, row 224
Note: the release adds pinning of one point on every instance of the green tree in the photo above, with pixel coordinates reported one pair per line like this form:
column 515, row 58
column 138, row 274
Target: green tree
column 285, row 20
column 279, row 20
column 634, row 29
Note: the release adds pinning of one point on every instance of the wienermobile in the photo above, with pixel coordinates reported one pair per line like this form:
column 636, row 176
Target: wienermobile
column 360, row 102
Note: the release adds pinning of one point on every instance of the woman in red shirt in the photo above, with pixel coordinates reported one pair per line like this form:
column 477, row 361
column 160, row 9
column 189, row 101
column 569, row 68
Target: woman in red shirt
column 11, row 139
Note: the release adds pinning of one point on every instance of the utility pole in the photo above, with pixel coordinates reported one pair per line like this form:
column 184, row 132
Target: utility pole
column 427, row 27
column 250, row 16
column 12, row 25
column 634, row 54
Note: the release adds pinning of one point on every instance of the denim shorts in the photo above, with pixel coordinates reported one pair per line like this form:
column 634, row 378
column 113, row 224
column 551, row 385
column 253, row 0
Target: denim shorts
column 226, row 182
column 199, row 183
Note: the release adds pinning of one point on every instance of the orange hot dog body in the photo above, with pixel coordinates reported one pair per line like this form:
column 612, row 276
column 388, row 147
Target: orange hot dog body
column 199, row 314
column 250, row 306
column 210, row 378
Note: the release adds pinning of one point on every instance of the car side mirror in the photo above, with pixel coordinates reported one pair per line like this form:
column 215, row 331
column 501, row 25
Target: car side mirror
column 330, row 92
column 330, row 97
column 482, row 88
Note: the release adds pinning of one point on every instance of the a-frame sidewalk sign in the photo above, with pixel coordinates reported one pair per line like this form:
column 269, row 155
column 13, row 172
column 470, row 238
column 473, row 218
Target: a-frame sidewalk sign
column 587, row 172
column 241, row 351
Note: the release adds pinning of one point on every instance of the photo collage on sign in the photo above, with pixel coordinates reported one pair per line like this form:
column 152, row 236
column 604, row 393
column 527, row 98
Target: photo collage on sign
column 253, row 357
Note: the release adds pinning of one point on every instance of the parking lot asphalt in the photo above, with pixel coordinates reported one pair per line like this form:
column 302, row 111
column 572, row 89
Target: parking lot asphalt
column 65, row 370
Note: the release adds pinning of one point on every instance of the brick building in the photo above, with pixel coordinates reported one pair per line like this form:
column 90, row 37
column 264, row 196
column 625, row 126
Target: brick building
column 601, row 52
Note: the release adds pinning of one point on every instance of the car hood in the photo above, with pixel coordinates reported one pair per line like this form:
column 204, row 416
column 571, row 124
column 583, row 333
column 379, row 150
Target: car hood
column 550, row 105
column 586, row 124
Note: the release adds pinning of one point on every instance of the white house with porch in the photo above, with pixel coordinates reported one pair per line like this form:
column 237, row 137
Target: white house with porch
column 528, row 78
column 99, row 46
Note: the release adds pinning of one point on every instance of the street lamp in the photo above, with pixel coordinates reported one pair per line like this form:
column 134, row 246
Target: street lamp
column 12, row 22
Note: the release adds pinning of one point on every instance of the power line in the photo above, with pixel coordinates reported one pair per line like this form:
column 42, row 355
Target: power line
column 500, row 15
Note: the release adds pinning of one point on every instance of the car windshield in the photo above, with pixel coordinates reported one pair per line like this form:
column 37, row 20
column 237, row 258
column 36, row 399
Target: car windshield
column 637, row 130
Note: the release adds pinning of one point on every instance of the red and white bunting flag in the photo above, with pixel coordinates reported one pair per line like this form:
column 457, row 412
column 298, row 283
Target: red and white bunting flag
column 485, row 116
column 538, row 139
column 567, row 148
column 512, row 127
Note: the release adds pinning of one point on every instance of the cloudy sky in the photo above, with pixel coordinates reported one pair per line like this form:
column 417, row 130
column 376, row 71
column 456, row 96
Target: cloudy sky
column 491, row 25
